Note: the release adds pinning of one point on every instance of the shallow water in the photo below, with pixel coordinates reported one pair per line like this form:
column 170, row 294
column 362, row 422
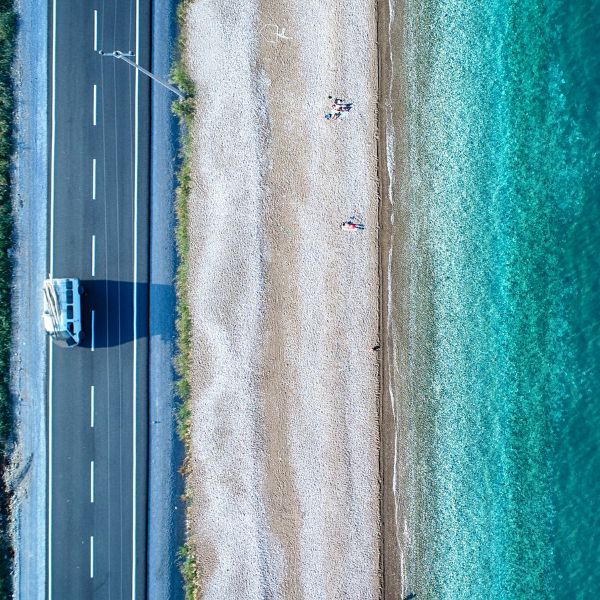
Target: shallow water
column 503, row 149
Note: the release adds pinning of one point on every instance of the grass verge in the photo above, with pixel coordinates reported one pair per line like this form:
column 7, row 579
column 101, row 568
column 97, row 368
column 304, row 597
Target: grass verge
column 8, row 29
column 189, row 571
column 184, row 109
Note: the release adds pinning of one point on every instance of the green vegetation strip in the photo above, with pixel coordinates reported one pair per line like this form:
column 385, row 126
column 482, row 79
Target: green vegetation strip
column 8, row 27
column 184, row 109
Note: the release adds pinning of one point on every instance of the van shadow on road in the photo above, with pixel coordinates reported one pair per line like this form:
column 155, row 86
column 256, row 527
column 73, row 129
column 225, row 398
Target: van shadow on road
column 112, row 304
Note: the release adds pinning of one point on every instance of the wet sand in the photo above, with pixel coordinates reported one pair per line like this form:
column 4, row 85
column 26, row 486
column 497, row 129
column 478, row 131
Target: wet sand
column 396, row 430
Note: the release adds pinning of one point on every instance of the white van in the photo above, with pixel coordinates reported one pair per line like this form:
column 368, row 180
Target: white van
column 62, row 311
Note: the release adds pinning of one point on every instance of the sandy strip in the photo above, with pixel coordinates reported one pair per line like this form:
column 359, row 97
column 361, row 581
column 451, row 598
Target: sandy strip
column 397, row 420
column 285, row 444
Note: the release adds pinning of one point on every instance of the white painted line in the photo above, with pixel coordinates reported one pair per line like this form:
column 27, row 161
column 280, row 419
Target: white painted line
column 135, row 242
column 93, row 332
column 93, row 256
column 52, row 141
column 92, row 406
column 50, row 438
column 94, row 104
column 95, row 32
column 93, row 178
column 92, row 481
column 92, row 556
column 51, row 268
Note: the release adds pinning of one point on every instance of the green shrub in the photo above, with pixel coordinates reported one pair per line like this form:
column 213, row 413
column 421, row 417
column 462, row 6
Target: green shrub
column 189, row 570
column 184, row 109
column 8, row 24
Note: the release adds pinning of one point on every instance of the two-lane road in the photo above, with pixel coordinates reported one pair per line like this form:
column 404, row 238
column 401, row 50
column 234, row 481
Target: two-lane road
column 97, row 393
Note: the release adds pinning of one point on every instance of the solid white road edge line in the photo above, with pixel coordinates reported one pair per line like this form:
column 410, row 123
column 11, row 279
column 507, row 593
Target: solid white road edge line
column 93, row 256
column 93, row 178
column 135, row 216
column 93, row 331
column 50, row 349
column 91, row 556
column 95, row 32
column 91, row 406
column 52, row 137
column 49, row 541
column 92, row 481
column 94, row 105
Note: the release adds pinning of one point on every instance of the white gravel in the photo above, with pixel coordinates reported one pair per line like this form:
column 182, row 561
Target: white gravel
column 284, row 452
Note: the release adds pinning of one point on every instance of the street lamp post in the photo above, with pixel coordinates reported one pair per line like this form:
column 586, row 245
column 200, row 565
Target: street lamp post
column 125, row 56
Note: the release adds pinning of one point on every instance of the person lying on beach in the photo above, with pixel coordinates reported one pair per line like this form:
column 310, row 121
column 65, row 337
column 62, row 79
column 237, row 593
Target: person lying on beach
column 340, row 104
column 347, row 106
column 332, row 116
column 352, row 226
column 339, row 101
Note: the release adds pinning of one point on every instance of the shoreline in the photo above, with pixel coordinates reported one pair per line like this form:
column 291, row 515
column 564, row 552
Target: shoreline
column 391, row 583
column 396, row 473
column 387, row 548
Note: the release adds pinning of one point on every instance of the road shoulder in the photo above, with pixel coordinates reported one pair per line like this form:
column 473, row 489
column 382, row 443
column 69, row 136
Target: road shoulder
column 28, row 355
column 165, row 452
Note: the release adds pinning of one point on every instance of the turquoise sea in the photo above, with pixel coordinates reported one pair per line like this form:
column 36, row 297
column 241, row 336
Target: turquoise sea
column 502, row 214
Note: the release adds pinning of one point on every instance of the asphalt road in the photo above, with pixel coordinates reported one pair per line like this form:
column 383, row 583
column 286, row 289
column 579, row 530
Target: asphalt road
column 97, row 393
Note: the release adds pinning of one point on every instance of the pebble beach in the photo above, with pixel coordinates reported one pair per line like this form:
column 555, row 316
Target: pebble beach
column 284, row 452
